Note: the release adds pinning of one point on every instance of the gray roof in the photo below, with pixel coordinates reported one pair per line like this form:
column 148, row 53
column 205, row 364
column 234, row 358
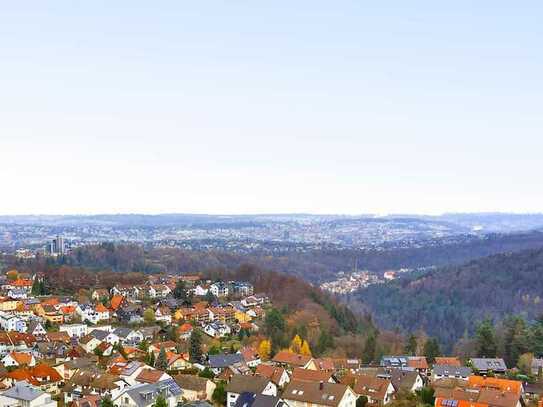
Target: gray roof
column 224, row 360
column 99, row 334
column 445, row 370
column 23, row 391
column 122, row 332
column 489, row 364
column 257, row 400
column 146, row 394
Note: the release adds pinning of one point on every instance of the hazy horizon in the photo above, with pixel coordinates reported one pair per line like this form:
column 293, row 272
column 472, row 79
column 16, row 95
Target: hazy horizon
column 243, row 108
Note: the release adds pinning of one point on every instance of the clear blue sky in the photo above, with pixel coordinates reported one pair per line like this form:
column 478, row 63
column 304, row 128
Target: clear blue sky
column 253, row 107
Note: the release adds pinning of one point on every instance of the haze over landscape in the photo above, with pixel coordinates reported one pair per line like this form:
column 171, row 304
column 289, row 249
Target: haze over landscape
column 242, row 204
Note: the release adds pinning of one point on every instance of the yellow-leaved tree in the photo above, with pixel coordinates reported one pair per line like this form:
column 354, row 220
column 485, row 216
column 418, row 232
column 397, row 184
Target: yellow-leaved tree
column 264, row 349
column 296, row 344
column 305, row 350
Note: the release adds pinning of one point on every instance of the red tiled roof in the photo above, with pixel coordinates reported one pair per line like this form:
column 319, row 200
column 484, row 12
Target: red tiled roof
column 290, row 358
column 116, row 302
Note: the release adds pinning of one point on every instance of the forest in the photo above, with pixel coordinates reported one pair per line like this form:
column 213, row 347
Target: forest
column 449, row 302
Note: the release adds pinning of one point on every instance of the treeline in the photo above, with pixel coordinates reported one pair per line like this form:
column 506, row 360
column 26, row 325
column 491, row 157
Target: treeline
column 447, row 303
column 314, row 266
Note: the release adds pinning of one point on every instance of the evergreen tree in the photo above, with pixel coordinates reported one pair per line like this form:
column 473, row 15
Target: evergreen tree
column 369, row 348
column 431, row 349
column 180, row 292
column 411, row 345
column 161, row 361
column 486, row 340
column 160, row 402
column 325, row 341
column 150, row 359
column 196, row 346
column 36, row 288
column 361, row 401
column 209, row 297
column 275, row 327
column 219, row 394
column 106, row 402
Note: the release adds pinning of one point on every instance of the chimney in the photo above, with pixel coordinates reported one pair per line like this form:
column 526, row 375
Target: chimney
column 321, row 385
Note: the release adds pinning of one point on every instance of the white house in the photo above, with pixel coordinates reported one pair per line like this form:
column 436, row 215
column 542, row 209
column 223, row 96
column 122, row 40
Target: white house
column 87, row 313
column 252, row 384
column 77, row 330
column 217, row 330
column 26, row 395
column 145, row 395
column 17, row 293
column 18, row 359
column 129, row 336
column 219, row 289
column 36, row 328
column 158, row 290
column 200, row 291
column 163, row 315
column 13, row 323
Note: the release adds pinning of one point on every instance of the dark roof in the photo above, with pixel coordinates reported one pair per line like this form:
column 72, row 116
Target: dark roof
column 248, row 399
column 223, row 360
column 446, row 370
column 99, row 334
column 489, row 364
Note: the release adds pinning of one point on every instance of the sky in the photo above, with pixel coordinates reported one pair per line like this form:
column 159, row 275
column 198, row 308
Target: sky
column 270, row 107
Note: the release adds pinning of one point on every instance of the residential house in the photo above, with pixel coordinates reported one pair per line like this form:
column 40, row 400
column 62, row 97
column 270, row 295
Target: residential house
column 494, row 383
column 194, row 387
column 36, row 328
column 449, row 361
column 253, row 384
column 151, row 375
column 451, row 372
column 163, row 314
column 300, row 393
column 12, row 323
column 221, row 361
column 407, row 380
column 89, row 343
column 240, row 288
column 219, row 289
column 185, row 331
column 250, row 356
column 378, row 391
column 145, row 395
column 291, row 360
column 158, row 290
column 129, row 336
column 105, row 336
column 487, row 365
column 99, row 294
column 74, row 330
column 313, row 375
column 18, row 293
column 277, row 375
column 25, row 395
column 248, row 399
column 18, row 359
column 217, row 330
column 87, row 381
column 201, row 290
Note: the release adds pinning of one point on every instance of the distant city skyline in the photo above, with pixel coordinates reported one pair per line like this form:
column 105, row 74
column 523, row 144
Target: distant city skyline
column 245, row 108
